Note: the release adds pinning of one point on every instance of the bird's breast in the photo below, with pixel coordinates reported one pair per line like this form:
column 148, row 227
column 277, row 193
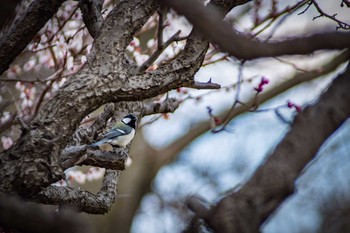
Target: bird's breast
column 124, row 139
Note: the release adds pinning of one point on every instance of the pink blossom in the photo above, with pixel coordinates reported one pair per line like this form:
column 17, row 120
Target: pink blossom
column 6, row 142
column 291, row 105
column 264, row 81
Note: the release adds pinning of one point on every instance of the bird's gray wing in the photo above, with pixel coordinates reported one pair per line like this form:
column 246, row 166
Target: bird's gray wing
column 119, row 130
column 113, row 134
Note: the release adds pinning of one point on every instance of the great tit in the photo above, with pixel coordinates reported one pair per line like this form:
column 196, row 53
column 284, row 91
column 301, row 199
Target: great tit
column 121, row 133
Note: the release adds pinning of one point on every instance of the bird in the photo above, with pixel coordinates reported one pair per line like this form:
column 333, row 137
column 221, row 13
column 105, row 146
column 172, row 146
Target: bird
column 120, row 134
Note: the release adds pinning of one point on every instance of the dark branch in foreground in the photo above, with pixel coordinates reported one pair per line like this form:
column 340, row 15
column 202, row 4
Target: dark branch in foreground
column 24, row 29
column 85, row 201
column 22, row 216
column 210, row 23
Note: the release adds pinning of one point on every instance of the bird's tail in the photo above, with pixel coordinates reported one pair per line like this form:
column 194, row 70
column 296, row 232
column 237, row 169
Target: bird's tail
column 99, row 143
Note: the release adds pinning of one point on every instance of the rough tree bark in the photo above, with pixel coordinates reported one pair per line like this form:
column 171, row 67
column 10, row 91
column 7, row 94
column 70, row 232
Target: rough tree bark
column 37, row 159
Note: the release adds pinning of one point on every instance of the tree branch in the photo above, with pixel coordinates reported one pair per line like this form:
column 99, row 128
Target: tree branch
column 92, row 15
column 85, row 201
column 111, row 160
column 203, row 85
column 298, row 78
column 209, row 22
column 246, row 209
column 110, row 55
column 24, row 29
column 158, row 52
column 22, row 216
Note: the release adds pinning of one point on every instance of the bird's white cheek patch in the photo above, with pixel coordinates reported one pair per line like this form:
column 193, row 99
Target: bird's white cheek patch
column 126, row 120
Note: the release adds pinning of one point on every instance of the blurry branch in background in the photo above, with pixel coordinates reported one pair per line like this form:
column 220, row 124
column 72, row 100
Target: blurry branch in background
column 83, row 200
column 273, row 16
column 209, row 22
column 22, row 216
column 21, row 32
column 168, row 105
column 298, row 78
column 160, row 48
column 151, row 160
column 249, row 207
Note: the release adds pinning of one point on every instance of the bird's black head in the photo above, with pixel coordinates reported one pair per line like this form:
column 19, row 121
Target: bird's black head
column 130, row 120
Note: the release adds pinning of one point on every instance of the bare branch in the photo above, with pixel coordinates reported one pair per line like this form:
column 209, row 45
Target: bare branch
column 111, row 160
column 209, row 21
column 204, row 85
column 341, row 24
column 79, row 155
column 8, row 123
column 72, row 155
column 158, row 51
column 85, row 201
column 161, row 13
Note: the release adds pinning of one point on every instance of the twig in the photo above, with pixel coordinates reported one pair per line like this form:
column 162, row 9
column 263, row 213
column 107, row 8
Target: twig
column 291, row 64
column 341, row 24
column 22, row 80
column 158, row 51
column 236, row 101
column 41, row 97
column 61, row 26
column 308, row 6
column 51, row 79
column 22, row 123
column 160, row 29
column 7, row 124
column 274, row 16
column 204, row 85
